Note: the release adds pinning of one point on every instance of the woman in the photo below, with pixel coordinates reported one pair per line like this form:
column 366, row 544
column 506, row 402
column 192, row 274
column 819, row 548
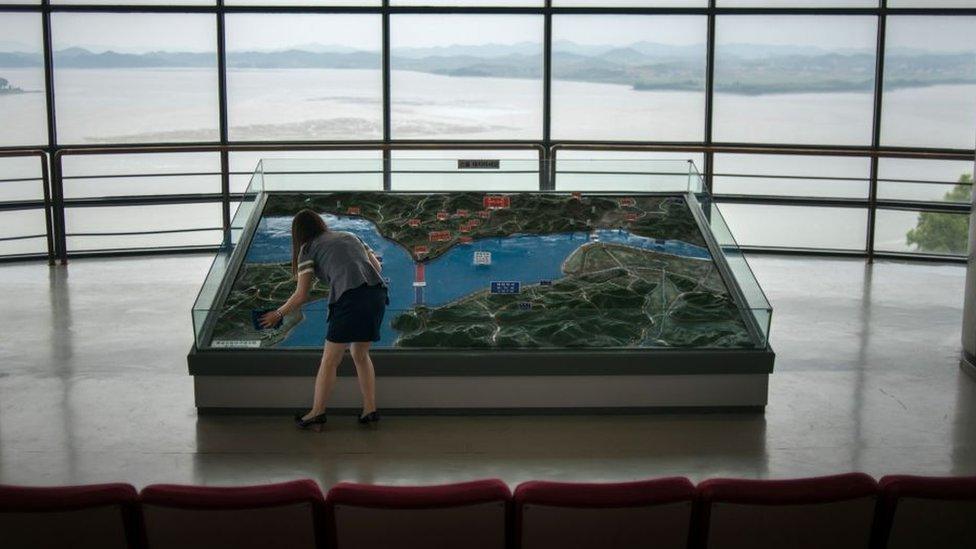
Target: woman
column 357, row 302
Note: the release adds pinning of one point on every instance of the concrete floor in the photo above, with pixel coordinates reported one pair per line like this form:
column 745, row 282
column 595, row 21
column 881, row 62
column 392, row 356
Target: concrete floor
column 93, row 388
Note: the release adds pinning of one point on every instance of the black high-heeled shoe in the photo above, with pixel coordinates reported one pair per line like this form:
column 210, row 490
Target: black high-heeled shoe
column 302, row 423
column 372, row 417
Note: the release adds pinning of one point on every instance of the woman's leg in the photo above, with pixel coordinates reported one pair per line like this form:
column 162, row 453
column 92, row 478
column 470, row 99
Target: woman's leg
column 326, row 378
column 366, row 375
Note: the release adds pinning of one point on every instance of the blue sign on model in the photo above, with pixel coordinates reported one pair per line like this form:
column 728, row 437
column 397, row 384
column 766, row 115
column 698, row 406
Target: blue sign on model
column 505, row 287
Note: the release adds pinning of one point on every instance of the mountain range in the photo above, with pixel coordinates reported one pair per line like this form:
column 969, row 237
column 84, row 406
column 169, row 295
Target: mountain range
column 740, row 68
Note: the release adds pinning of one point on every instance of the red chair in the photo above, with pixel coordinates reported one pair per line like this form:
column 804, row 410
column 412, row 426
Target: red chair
column 927, row 512
column 284, row 516
column 469, row 515
column 833, row 512
column 563, row 515
column 100, row 515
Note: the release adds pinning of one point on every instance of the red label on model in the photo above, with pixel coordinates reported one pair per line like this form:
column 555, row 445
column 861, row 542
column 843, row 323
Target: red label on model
column 465, row 228
column 465, row 240
column 443, row 216
column 577, row 196
column 353, row 210
column 413, row 222
column 463, row 213
column 630, row 216
column 497, row 202
column 626, row 202
column 484, row 214
column 420, row 250
column 440, row 236
column 474, row 222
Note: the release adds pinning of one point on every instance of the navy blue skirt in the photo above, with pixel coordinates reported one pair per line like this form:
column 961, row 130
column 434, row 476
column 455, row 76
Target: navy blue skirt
column 357, row 315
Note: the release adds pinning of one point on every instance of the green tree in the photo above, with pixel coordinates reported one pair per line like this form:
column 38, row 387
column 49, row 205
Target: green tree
column 946, row 233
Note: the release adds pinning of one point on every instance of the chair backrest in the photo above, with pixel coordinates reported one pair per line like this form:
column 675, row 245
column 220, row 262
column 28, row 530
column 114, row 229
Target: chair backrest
column 835, row 512
column 101, row 515
column 284, row 516
column 472, row 515
column 927, row 512
column 563, row 515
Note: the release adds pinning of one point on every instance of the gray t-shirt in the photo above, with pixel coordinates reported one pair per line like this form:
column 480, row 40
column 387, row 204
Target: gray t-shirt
column 340, row 259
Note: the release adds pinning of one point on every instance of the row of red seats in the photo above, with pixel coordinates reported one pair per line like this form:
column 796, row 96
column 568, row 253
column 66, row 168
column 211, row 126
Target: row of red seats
column 837, row 512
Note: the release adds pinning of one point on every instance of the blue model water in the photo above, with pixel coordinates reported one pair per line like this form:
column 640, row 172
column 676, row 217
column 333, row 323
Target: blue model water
column 526, row 258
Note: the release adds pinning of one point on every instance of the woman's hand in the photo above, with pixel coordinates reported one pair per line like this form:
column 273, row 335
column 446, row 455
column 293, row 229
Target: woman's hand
column 270, row 319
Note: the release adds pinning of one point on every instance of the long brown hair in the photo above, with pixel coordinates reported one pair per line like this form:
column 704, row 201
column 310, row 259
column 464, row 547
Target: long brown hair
column 306, row 226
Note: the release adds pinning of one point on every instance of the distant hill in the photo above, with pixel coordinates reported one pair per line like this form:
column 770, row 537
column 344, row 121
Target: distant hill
column 740, row 68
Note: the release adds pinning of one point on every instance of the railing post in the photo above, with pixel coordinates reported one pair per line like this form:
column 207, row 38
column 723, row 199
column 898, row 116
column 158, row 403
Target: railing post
column 387, row 110
column 876, row 132
column 57, row 209
column 224, row 132
column 48, row 223
column 546, row 182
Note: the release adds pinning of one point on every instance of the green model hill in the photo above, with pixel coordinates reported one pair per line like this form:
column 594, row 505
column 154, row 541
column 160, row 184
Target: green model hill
column 611, row 296
column 260, row 286
column 530, row 213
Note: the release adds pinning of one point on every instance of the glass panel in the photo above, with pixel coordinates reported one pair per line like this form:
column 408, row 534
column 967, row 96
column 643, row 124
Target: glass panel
column 930, row 82
column 118, row 227
column 129, row 78
column 243, row 164
column 619, row 77
column 781, row 175
column 755, row 299
column 650, row 176
column 797, row 226
column 88, row 176
column 794, row 79
column 925, row 180
column 316, row 174
column 22, row 105
column 698, row 159
column 466, row 76
column 931, row 3
column 517, row 170
column 303, row 2
column 631, row 3
column 798, row 3
column 491, row 3
column 922, row 232
column 20, row 179
column 137, row 2
column 304, row 77
column 22, row 232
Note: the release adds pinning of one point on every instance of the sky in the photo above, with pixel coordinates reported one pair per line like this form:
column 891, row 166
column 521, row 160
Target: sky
column 139, row 33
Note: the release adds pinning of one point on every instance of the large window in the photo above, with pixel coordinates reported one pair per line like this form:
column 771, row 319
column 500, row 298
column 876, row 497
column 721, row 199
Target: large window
column 930, row 82
column 470, row 77
column 135, row 78
column 23, row 118
column 794, row 79
column 645, row 73
column 312, row 71
column 304, row 77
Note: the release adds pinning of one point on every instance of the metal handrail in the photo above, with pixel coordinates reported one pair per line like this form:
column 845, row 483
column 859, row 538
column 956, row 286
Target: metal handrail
column 55, row 201
column 45, row 187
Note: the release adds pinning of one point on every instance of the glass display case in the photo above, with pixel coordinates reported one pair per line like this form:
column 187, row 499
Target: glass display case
column 626, row 260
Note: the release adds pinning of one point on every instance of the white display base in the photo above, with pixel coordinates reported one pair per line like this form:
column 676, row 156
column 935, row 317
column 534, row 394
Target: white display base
column 491, row 394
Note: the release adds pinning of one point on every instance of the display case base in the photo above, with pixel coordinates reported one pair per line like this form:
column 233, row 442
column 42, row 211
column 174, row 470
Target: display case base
column 529, row 382
column 968, row 364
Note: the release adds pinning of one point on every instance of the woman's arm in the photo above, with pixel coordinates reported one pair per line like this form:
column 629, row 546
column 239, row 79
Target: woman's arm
column 298, row 297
